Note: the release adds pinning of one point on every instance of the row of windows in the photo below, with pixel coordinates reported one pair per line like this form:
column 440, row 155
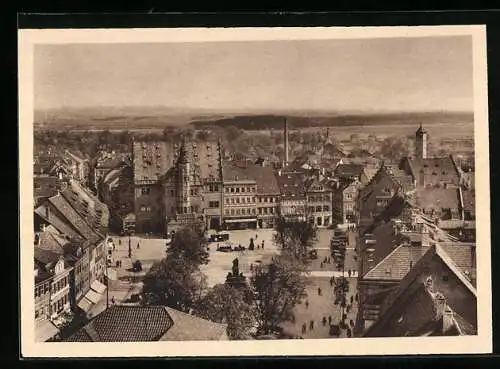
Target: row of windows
column 319, row 198
column 58, row 306
column 252, row 211
column 59, row 285
column 318, row 208
column 42, row 289
column 320, row 221
column 239, row 189
column 213, row 188
column 185, row 210
column 237, row 200
column 146, row 209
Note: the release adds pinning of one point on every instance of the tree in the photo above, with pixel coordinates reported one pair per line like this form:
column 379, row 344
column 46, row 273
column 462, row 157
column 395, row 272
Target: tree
column 173, row 282
column 227, row 304
column 295, row 236
column 190, row 245
column 278, row 287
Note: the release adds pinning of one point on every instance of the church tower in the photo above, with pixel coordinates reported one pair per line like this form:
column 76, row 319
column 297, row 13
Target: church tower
column 421, row 143
column 183, row 181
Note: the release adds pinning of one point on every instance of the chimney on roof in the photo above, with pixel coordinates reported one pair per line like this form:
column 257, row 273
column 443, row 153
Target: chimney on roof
column 439, row 306
column 285, row 133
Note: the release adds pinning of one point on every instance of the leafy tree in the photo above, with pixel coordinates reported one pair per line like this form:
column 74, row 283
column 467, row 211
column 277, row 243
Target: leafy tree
column 295, row 236
column 227, row 304
column 190, row 245
column 173, row 282
column 277, row 287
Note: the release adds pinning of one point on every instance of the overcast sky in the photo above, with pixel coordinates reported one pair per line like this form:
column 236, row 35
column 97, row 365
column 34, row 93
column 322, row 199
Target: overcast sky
column 405, row 74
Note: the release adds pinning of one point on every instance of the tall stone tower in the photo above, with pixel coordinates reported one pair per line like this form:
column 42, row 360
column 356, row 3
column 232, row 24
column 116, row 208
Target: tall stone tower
column 421, row 139
column 183, row 180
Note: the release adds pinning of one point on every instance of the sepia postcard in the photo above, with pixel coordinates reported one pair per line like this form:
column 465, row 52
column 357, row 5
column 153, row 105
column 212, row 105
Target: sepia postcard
column 312, row 187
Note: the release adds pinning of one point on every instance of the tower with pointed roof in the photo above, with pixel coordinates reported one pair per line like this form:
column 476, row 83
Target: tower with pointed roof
column 421, row 140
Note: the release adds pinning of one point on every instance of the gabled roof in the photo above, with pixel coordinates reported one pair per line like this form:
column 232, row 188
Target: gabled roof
column 397, row 264
column 437, row 198
column 45, row 212
column 46, row 257
column 412, row 294
column 349, row 170
column 264, row 177
column 74, row 219
column 121, row 323
column 443, row 169
column 291, row 184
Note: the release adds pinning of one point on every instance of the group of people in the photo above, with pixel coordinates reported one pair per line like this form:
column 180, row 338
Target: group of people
column 326, row 260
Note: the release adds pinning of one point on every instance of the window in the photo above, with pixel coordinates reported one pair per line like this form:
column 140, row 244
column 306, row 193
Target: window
column 213, row 204
column 265, row 210
column 227, row 212
column 145, row 190
column 237, row 200
column 253, row 199
column 238, row 211
column 148, row 209
column 226, row 201
column 260, row 210
column 232, row 190
column 318, row 208
column 232, row 200
column 232, row 211
column 216, row 188
column 226, row 189
column 327, row 221
column 253, row 211
column 326, row 208
column 237, row 190
column 143, row 208
column 271, row 210
column 319, row 221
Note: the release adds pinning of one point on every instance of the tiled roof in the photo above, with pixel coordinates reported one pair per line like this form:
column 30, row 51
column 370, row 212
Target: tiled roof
column 263, row 176
column 190, row 328
column 122, row 323
column 126, row 324
column 88, row 206
column 151, row 160
column 45, row 257
column 437, row 198
column 51, row 241
column 55, row 220
column 72, row 216
column 435, row 169
column 291, row 184
column 409, row 310
column 349, row 170
column 397, row 264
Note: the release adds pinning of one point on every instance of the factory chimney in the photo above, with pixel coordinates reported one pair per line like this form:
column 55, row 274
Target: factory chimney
column 286, row 141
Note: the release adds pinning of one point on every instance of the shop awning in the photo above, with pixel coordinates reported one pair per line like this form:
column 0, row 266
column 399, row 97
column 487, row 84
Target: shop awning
column 93, row 296
column 45, row 330
column 240, row 220
column 98, row 287
column 85, row 304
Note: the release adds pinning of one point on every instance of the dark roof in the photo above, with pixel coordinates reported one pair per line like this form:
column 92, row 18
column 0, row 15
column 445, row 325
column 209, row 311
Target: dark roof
column 264, row 177
column 126, row 324
column 349, row 170
column 151, row 160
column 437, row 198
column 291, row 184
column 74, row 218
column 397, row 264
column 88, row 206
column 435, row 169
column 46, row 257
column 122, row 323
column 410, row 309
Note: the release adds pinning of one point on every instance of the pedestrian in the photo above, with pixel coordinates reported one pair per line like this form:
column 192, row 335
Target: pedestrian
column 256, row 236
column 331, row 282
column 262, row 244
column 349, row 332
column 329, row 260
column 113, row 300
column 311, row 325
column 321, row 265
column 138, row 245
column 117, row 263
column 319, row 291
column 329, row 319
column 356, row 297
column 304, row 328
column 258, row 246
column 352, row 299
column 351, row 323
column 349, row 272
column 251, row 267
column 307, row 304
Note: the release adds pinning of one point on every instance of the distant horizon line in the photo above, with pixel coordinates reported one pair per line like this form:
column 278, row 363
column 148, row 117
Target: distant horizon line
column 257, row 110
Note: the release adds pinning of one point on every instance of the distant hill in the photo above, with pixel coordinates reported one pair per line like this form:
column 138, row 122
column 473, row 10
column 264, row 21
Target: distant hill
column 260, row 122
column 122, row 118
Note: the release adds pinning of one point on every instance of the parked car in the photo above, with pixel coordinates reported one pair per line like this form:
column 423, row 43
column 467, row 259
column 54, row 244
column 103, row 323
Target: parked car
column 239, row 248
column 219, row 237
column 225, row 248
